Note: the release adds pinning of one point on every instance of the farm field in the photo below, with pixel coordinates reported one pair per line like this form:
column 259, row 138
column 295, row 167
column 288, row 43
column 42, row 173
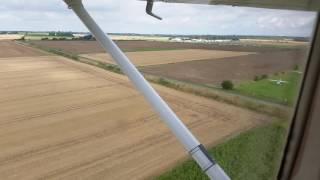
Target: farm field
column 11, row 49
column 237, row 69
column 86, row 47
column 147, row 58
column 207, row 64
column 60, row 119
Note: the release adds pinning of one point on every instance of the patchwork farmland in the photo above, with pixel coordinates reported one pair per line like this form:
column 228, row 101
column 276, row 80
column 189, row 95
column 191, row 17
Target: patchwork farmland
column 195, row 63
column 61, row 119
column 85, row 47
column 237, row 68
column 148, row 58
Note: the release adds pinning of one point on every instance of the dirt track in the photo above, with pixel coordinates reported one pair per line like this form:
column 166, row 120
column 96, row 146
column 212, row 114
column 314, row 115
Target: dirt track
column 230, row 68
column 65, row 120
column 147, row 58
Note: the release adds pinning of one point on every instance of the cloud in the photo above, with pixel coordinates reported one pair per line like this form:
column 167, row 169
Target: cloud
column 129, row 16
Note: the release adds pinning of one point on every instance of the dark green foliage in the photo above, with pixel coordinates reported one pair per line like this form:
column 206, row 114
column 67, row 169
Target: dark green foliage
column 264, row 76
column 256, row 78
column 164, row 82
column 52, row 33
column 169, row 83
column 65, row 34
column 227, row 85
column 110, row 67
column 61, row 53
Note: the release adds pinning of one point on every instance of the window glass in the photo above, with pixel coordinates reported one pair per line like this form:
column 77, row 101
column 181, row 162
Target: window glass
column 67, row 111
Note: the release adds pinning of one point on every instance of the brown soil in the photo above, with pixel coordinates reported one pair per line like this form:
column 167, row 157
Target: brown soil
column 147, row 58
column 65, row 120
column 232, row 68
column 12, row 49
column 85, row 47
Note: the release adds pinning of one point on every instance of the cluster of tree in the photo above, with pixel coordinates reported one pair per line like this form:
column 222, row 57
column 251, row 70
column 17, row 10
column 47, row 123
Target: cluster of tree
column 258, row 78
column 54, row 39
column 302, row 39
column 60, row 33
column 227, row 85
column 36, row 34
column 88, row 37
column 9, row 32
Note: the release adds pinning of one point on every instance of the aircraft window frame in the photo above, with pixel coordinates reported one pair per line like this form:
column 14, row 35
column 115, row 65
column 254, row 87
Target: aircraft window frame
column 303, row 110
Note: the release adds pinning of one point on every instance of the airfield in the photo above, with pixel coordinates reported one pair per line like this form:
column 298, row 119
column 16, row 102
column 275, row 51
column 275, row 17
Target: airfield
column 61, row 119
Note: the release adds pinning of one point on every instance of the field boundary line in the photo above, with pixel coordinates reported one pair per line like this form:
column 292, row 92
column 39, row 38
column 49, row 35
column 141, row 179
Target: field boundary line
column 236, row 100
column 45, row 83
column 21, row 43
column 58, row 93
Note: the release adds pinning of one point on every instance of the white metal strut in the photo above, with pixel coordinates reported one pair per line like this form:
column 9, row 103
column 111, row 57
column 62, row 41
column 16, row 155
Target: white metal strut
column 191, row 144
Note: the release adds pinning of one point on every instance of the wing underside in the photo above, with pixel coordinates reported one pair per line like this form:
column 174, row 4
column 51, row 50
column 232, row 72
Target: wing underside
column 308, row 5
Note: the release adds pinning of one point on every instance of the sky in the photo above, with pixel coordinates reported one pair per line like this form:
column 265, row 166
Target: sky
column 128, row 16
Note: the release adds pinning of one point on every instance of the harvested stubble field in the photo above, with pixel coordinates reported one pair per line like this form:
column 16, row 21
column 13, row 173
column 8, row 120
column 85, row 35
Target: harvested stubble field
column 9, row 48
column 147, row 58
column 61, row 119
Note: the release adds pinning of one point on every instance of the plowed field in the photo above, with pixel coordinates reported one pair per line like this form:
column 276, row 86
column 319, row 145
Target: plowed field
column 147, row 58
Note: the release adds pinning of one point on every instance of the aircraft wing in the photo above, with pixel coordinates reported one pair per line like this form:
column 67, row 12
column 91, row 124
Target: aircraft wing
column 308, row 5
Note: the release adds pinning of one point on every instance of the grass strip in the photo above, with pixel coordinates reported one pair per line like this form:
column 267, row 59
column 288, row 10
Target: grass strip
column 253, row 155
column 269, row 108
column 265, row 89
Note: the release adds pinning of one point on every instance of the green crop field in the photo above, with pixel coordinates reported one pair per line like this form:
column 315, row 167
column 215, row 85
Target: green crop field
column 253, row 155
column 267, row 90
